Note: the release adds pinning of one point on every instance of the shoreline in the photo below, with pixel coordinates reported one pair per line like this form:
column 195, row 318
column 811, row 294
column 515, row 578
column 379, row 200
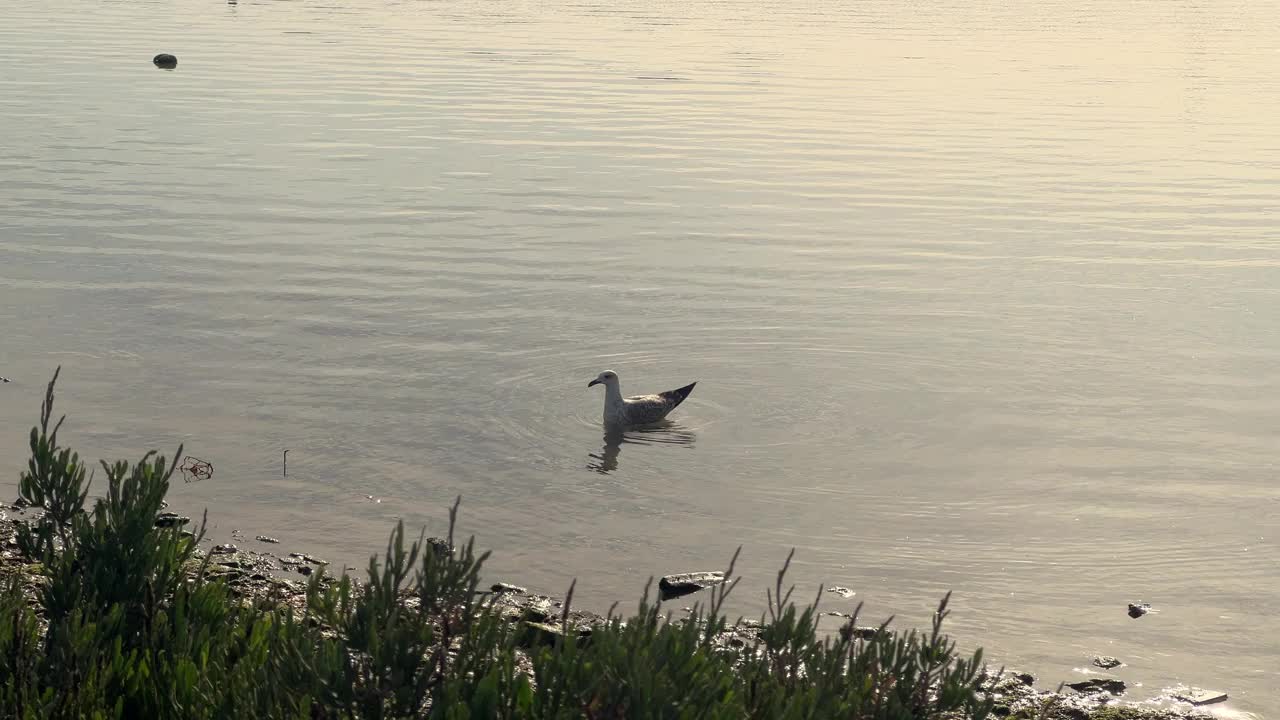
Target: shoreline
column 279, row 578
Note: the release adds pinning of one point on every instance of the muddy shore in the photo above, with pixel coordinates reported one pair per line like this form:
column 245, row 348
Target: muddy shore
column 262, row 570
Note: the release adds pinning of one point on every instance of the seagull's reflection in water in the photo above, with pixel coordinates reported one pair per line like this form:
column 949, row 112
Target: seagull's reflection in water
column 664, row 433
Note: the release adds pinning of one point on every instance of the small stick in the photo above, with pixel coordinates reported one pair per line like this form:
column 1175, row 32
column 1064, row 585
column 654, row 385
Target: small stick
column 286, row 463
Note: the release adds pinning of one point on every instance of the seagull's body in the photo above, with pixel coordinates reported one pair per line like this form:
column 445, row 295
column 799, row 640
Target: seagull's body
column 637, row 409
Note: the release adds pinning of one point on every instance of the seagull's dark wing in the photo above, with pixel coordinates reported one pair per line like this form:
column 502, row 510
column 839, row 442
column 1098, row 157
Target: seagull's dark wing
column 646, row 409
column 677, row 396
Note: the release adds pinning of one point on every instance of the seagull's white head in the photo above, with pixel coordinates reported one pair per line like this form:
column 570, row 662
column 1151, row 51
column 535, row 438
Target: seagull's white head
column 608, row 378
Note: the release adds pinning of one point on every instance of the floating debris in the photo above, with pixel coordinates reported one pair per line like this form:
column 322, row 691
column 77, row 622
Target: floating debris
column 195, row 469
column 265, row 539
column 843, row 592
column 5, row 380
column 165, row 61
column 1137, row 610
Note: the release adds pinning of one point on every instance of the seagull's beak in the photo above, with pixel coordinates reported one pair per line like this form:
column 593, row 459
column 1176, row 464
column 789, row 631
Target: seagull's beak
column 594, row 382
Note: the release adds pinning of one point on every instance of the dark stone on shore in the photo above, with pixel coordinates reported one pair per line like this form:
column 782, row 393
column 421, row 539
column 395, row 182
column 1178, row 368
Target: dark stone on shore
column 538, row 610
column 535, row 633
column 165, row 61
column 440, row 547
column 859, row 632
column 1137, row 610
column 168, row 519
column 502, row 587
column 674, row 586
column 1025, row 678
column 1106, row 662
column 305, row 570
column 1097, row 685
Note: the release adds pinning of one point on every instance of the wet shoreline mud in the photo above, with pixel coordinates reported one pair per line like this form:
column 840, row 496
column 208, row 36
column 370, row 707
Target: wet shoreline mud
column 275, row 577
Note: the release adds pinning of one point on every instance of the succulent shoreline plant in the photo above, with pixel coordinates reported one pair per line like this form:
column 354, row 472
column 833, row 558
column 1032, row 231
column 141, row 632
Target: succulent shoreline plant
column 129, row 623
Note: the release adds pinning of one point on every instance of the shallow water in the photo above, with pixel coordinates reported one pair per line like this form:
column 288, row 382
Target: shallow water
column 980, row 298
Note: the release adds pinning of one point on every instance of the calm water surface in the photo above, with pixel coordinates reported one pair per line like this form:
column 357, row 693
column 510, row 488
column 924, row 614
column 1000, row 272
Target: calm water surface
column 981, row 297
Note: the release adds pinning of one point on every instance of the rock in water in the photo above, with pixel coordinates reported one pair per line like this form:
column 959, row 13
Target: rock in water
column 1137, row 610
column 674, row 586
column 1096, row 685
column 166, row 61
column 1106, row 662
column 501, row 587
column 1196, row 696
column 861, row 632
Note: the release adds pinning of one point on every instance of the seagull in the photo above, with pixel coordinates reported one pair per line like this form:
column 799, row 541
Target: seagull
column 639, row 409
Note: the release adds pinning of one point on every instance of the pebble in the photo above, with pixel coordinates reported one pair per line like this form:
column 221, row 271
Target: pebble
column 1106, row 662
